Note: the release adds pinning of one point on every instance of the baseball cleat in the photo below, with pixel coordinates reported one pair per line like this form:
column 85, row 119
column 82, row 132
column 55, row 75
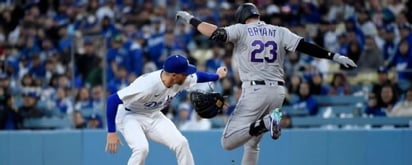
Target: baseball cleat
column 275, row 118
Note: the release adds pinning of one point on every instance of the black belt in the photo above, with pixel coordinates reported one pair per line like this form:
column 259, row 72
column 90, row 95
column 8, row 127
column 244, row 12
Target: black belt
column 261, row 82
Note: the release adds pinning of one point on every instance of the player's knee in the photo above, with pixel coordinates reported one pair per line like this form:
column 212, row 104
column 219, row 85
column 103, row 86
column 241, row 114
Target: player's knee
column 181, row 143
column 227, row 145
column 142, row 151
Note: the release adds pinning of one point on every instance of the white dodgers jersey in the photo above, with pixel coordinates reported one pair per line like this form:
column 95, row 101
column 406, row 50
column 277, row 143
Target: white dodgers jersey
column 147, row 94
column 260, row 49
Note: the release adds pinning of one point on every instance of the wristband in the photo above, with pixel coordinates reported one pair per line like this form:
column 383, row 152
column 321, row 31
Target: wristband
column 195, row 22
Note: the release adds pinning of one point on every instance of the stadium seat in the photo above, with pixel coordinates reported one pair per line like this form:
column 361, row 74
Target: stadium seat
column 338, row 100
column 47, row 123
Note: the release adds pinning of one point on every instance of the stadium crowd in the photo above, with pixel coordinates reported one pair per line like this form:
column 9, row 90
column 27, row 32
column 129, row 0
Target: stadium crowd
column 60, row 59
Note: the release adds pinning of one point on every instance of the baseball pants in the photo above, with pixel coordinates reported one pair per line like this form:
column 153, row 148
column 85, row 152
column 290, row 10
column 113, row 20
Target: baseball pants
column 137, row 128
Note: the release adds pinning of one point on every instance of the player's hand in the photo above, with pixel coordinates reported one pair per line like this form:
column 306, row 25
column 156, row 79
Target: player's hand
column 112, row 142
column 345, row 61
column 183, row 16
column 222, row 72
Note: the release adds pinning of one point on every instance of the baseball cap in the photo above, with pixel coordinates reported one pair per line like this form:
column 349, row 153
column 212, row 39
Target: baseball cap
column 178, row 64
column 382, row 69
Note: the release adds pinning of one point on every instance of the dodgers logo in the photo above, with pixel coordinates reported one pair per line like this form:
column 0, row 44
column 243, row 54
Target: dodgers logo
column 152, row 104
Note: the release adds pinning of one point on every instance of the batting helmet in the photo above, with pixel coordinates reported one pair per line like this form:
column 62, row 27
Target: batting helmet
column 246, row 11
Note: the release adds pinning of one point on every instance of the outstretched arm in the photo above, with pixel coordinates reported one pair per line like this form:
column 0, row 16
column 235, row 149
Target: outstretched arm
column 316, row 51
column 207, row 77
column 207, row 29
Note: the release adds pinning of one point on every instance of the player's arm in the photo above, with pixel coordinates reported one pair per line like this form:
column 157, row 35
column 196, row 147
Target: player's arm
column 316, row 51
column 113, row 101
column 207, row 77
column 207, row 29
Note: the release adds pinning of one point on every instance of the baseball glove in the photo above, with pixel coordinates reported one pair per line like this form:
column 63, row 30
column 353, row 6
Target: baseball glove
column 207, row 105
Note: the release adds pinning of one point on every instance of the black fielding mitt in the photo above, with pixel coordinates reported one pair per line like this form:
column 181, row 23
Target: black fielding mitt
column 207, row 105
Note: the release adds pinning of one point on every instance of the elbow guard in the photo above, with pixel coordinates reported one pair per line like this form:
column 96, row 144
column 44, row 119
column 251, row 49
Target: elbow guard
column 219, row 35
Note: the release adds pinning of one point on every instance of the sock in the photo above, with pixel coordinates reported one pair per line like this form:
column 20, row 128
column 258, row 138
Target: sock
column 266, row 120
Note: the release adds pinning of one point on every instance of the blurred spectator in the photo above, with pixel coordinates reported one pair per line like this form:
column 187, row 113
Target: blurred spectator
column 317, row 86
column 62, row 103
column 294, row 64
column 404, row 107
column 156, row 42
column 390, row 43
column 78, row 120
column 29, row 109
column 87, row 60
column 47, row 49
column 98, row 96
column 148, row 65
column 95, row 122
column 95, row 76
column 396, row 6
column 286, row 121
column 37, row 68
column 339, row 85
column 8, row 113
column 340, row 11
column 367, row 26
column 306, row 102
column 371, row 58
column 136, row 52
column 184, row 112
column 389, row 98
column 196, row 123
column 403, row 62
column 383, row 79
column 83, row 100
column 64, row 82
column 116, row 56
column 354, row 53
column 372, row 107
column 9, row 61
column 216, row 60
column 119, row 81
column 293, row 85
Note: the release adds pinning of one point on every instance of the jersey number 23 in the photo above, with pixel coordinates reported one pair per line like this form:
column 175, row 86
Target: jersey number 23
column 260, row 47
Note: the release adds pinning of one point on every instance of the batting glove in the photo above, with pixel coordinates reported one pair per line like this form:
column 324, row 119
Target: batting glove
column 184, row 16
column 345, row 61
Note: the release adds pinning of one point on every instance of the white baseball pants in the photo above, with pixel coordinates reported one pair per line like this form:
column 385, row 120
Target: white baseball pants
column 137, row 128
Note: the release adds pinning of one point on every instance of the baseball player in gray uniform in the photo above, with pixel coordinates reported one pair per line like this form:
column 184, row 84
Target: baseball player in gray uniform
column 135, row 110
column 259, row 51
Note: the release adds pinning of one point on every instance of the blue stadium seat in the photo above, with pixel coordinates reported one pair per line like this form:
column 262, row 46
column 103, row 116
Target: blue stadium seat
column 47, row 123
column 338, row 100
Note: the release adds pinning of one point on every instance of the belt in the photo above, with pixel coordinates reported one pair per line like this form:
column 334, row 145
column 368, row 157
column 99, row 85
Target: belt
column 261, row 82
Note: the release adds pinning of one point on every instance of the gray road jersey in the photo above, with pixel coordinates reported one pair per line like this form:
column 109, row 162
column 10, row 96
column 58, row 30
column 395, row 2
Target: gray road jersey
column 260, row 49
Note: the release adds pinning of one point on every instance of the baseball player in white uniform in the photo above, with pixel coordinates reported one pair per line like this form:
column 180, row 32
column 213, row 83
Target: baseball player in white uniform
column 259, row 52
column 134, row 111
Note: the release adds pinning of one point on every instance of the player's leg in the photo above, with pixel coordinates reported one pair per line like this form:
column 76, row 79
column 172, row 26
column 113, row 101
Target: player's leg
column 251, row 150
column 165, row 132
column 247, row 120
column 250, row 107
column 134, row 135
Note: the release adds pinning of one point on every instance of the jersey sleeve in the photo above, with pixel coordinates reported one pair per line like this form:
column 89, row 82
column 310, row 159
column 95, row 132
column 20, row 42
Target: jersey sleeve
column 131, row 93
column 190, row 81
column 233, row 32
column 290, row 40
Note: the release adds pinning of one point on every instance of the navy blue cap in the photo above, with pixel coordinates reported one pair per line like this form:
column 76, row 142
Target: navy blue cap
column 178, row 64
column 382, row 69
column 390, row 28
